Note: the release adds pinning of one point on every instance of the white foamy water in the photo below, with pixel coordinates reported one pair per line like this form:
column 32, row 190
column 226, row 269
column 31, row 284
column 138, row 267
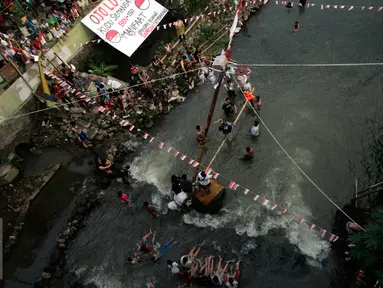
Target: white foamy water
column 241, row 213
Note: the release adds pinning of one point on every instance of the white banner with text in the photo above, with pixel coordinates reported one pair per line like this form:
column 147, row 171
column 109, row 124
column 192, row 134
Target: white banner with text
column 125, row 24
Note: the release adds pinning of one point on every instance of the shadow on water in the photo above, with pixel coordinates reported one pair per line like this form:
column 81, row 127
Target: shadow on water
column 48, row 213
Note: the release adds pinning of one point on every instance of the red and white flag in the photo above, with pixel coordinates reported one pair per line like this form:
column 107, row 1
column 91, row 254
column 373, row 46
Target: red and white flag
column 341, row 6
column 380, row 9
column 235, row 186
column 283, row 211
column 300, row 220
column 151, row 139
column 322, row 232
column 327, row 6
column 191, row 161
column 363, row 7
column 208, row 170
column 331, row 237
column 265, row 201
column 292, row 216
column 335, row 6
column 231, row 184
column 215, row 175
column 176, row 153
column 195, row 164
column 352, row 7
column 183, row 157
column 158, row 28
column 114, row 116
column 311, row 226
column 160, row 145
column 164, row 26
column 255, row 197
column 272, row 207
column 370, row 8
column 146, row 136
column 245, row 191
column 335, row 238
column 169, row 148
column 126, row 123
column 131, row 127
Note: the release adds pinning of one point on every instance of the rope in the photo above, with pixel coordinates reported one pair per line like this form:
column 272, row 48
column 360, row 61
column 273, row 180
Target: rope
column 223, row 34
column 224, row 140
column 312, row 64
column 298, row 167
column 96, row 95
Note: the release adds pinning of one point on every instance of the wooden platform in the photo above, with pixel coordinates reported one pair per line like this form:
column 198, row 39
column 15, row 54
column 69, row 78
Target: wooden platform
column 215, row 189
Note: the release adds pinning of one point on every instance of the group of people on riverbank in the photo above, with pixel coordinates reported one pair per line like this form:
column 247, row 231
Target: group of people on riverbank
column 22, row 45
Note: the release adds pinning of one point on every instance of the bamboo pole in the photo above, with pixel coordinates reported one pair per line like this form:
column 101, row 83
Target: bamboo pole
column 224, row 140
column 356, row 193
column 208, row 122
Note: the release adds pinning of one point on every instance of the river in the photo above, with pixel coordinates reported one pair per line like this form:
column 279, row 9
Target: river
column 326, row 118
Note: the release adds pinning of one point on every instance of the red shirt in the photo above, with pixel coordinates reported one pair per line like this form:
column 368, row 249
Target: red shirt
column 59, row 92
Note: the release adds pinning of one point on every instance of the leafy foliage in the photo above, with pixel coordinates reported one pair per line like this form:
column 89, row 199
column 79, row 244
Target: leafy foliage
column 368, row 251
column 102, row 69
column 195, row 5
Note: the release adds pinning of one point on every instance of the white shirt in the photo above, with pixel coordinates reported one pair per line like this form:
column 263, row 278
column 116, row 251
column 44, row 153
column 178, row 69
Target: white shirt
column 174, row 268
column 235, row 284
column 204, row 181
column 189, row 262
column 254, row 130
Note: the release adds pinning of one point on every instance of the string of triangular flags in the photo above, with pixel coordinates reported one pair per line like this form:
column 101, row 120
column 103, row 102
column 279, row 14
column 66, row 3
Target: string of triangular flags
column 270, row 205
column 333, row 6
column 246, row 3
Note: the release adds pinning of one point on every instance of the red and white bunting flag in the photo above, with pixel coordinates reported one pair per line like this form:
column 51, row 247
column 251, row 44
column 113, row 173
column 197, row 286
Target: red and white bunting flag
column 211, row 13
column 265, row 201
column 214, row 13
column 272, row 207
column 164, row 26
column 300, row 4
column 283, row 3
column 335, row 6
column 169, row 148
column 335, row 238
column 321, row 6
column 78, row 93
column 276, row 2
column 94, row 102
column 126, row 123
column 202, row 15
column 292, row 4
column 245, row 191
column 114, row 116
column 87, row 100
column 131, row 128
column 255, row 197
column 363, row 7
column 160, row 145
column 235, row 186
column 300, row 220
column 311, row 226
column 292, row 216
column 183, row 157
column 99, row 108
column 370, row 8
column 312, row 4
column 158, row 28
column 191, row 161
column 283, row 211
column 195, row 164
column 122, row 122
column 215, row 175
column 322, row 232
column 176, row 153
column 196, row 17
column 246, row 4
column 331, row 237
column 352, row 7
column 341, row 6
column 231, row 185
column 72, row 90
column 327, row 6
column 146, row 136
column 208, row 170
column 151, row 139
column 170, row 24
column 380, row 9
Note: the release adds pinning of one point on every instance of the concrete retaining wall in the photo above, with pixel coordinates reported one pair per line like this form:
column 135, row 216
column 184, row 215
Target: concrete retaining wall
column 19, row 97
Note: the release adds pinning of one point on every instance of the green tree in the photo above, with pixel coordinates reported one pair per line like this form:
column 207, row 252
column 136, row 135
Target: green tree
column 102, row 69
column 368, row 250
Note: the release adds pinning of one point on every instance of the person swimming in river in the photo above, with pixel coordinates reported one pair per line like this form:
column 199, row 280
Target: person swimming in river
column 124, row 198
column 151, row 209
column 296, row 26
